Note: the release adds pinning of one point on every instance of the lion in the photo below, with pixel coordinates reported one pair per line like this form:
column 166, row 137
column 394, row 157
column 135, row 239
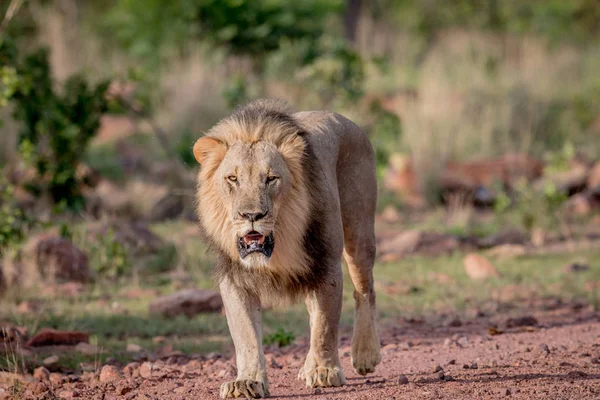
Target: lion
column 281, row 196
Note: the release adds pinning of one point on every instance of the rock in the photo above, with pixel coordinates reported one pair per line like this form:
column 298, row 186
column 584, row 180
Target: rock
column 410, row 242
column 146, row 370
column 400, row 245
column 440, row 375
column 479, row 268
column 132, row 369
column 109, row 373
column 41, row 373
column 504, row 392
column 133, row 348
column 168, row 207
column 593, row 180
column 526, row 320
column 437, row 368
column 541, row 350
column 50, row 361
column 187, row 302
column 57, row 379
column 507, row 251
column 402, row 380
column 69, row 394
column 576, row 267
column 505, row 237
column 584, row 203
column 87, row 349
column 122, row 389
column 52, row 337
column 390, row 215
column 448, row 378
column 135, row 235
column 58, row 258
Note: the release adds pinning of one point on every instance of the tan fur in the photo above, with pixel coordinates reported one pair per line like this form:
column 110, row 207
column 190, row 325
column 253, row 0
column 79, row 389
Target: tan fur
column 321, row 202
column 289, row 259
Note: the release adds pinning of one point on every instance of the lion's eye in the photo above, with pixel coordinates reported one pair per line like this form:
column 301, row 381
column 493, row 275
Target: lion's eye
column 272, row 178
column 232, row 178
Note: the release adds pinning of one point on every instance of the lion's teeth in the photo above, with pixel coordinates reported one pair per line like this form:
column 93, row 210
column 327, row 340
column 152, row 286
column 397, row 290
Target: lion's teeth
column 261, row 240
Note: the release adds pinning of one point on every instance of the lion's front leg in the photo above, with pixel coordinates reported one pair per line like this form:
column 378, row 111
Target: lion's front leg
column 245, row 324
column 322, row 367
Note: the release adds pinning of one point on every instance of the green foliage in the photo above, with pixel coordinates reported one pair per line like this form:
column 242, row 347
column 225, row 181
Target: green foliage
column 147, row 28
column 385, row 134
column 57, row 125
column 535, row 208
column 328, row 68
column 109, row 258
column 14, row 223
column 558, row 20
column 281, row 337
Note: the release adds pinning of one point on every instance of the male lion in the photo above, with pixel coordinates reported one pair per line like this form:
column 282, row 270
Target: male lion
column 280, row 196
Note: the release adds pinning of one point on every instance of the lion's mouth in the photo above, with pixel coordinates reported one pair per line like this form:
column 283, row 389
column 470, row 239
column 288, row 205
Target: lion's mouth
column 254, row 242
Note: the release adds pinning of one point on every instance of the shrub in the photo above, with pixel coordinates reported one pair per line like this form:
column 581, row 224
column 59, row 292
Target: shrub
column 57, row 125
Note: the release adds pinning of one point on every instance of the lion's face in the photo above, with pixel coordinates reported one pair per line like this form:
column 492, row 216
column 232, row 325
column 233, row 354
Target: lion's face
column 253, row 179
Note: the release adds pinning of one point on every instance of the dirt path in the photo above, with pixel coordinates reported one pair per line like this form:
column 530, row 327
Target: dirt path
column 557, row 358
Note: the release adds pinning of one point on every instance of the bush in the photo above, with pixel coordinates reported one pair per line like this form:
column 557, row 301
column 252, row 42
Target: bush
column 57, row 125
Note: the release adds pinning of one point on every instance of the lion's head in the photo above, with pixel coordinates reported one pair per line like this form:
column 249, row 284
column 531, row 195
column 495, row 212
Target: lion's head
column 253, row 200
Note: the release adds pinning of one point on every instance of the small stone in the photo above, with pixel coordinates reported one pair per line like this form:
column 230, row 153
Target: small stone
column 452, row 362
column 109, row 373
column 181, row 390
column 440, row 375
column 474, row 366
column 466, row 366
column 402, row 380
column 526, row 320
column 41, row 374
column 463, row 341
column 133, row 348
column 542, row 349
column 455, row 323
column 122, row 389
column 448, row 378
column 50, row 361
column 317, row 391
column 158, row 339
column 39, row 388
column 87, row 349
column 146, row 370
column 505, row 392
column 132, row 369
column 68, row 394
column 56, row 378
column 437, row 368
column 447, row 342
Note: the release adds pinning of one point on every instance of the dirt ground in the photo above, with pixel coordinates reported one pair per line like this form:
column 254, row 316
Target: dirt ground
column 550, row 354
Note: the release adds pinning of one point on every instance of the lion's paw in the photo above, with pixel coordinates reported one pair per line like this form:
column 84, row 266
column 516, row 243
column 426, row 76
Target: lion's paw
column 366, row 357
column 322, row 376
column 244, row 388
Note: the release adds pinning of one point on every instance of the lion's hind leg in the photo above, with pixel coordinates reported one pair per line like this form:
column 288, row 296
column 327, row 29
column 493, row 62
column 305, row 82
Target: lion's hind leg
column 359, row 253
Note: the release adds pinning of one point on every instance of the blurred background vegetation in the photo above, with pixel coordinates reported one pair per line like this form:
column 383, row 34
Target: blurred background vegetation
column 102, row 100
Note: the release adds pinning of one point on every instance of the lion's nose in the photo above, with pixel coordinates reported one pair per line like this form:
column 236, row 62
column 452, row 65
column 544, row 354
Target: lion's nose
column 253, row 216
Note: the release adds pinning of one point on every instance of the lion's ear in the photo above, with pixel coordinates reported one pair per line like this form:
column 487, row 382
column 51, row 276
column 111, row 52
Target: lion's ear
column 207, row 149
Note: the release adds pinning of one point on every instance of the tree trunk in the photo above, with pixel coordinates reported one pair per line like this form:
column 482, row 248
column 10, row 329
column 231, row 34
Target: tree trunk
column 351, row 18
